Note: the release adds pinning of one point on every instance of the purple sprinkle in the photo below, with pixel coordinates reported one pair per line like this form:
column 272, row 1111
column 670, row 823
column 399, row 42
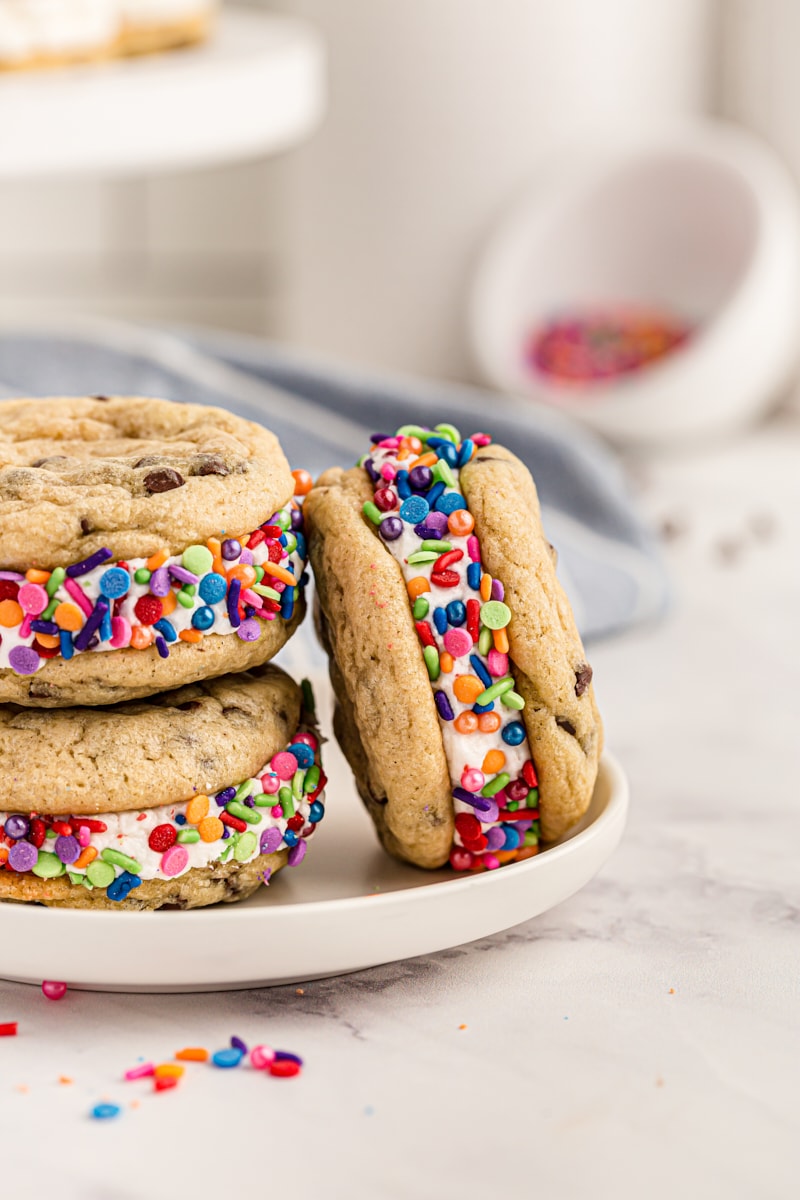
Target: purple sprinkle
column 17, row 826
column 234, row 592
column 93, row 623
column 249, row 801
column 443, row 705
column 370, row 469
column 15, row 575
column 495, row 838
column 420, row 479
column 488, row 815
column 67, row 849
column 159, row 582
column 181, row 574
column 226, row 833
column 24, row 660
column 390, row 528
column 377, row 438
column 437, row 520
column 296, row 517
column 231, row 549
column 22, row 856
column 479, row 802
column 45, row 627
column 270, row 840
column 286, row 1056
column 427, row 532
column 246, row 557
column 296, row 854
column 224, row 797
column 162, row 647
column 498, row 591
column 88, row 564
column 238, row 1044
column 249, row 630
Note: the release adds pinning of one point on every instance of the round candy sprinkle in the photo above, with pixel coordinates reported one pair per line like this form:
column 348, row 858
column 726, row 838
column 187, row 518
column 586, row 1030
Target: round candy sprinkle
column 391, row 528
column 160, row 583
column 229, row 1057
column 197, row 559
column 261, row 1057
column 203, row 618
column 303, row 482
column 103, row 1112
column 213, row 588
column 297, row 854
column 284, row 1068
column 114, row 582
column 23, row 659
column 53, row 990
column 270, row 840
column 284, row 764
column 16, row 826
column 457, row 642
column 249, row 630
column 23, row 856
column 47, row 866
column 174, row 861
column 100, row 874
column 67, row 849
column 161, row 838
column 514, row 734
column 231, row 549
column 495, row 614
column 303, row 754
column 414, row 509
column 32, row 599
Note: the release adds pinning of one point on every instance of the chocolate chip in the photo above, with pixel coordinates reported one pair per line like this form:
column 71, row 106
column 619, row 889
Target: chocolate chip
column 149, row 460
column 212, row 464
column 101, row 399
column 163, row 480
column 566, row 725
column 86, row 526
column 43, row 462
column 583, row 677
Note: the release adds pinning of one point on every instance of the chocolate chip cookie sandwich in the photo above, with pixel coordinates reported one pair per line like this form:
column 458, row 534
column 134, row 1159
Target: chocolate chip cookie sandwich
column 143, row 545
column 195, row 796
column 465, row 703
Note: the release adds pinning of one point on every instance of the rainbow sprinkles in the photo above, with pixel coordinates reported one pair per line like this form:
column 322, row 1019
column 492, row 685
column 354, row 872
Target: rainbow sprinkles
column 462, row 621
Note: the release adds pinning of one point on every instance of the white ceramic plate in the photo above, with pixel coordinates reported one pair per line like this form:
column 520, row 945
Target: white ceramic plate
column 347, row 907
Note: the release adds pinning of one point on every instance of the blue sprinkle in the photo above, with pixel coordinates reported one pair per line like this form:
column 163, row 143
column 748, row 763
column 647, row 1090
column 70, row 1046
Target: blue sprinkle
column 433, row 443
column 302, row 550
column 414, row 509
column 474, row 572
column 303, row 753
column 290, row 837
column 102, row 1112
column 115, row 582
column 304, row 578
column 203, row 618
column 122, row 885
column 106, row 631
column 229, row 1057
column 179, row 819
column 450, row 502
column 283, row 541
column 480, row 670
column 514, row 734
column 456, row 612
column 435, row 493
column 512, row 837
column 316, row 812
column 213, row 588
column 448, row 452
column 287, row 603
column 402, row 485
column 440, row 620
column 482, row 708
column 465, row 453
column 166, row 629
column 67, row 649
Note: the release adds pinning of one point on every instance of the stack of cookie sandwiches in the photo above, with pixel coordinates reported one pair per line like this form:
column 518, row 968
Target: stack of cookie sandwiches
column 464, row 701
column 152, row 561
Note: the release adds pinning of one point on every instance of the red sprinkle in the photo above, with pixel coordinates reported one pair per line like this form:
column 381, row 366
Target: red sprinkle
column 162, row 837
column 425, row 634
column 522, row 814
column 473, row 619
column 446, row 560
column 445, row 579
column 61, row 828
column 272, row 531
column 92, row 826
column 256, row 539
column 275, row 552
column 468, row 826
column 38, row 832
column 45, row 651
column 460, row 860
column 234, row 822
column 8, row 589
column 323, row 779
column 163, row 1083
column 148, row 610
column 529, row 774
column 9, row 1029
column 284, row 1068
column 296, row 822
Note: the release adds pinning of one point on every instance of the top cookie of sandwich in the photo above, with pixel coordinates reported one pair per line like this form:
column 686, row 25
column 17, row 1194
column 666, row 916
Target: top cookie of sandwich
column 130, row 474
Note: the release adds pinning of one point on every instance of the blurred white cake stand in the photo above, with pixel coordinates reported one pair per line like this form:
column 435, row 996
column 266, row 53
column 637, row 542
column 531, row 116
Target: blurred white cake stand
column 257, row 87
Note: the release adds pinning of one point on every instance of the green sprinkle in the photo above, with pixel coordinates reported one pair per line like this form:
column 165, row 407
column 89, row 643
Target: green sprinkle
column 513, row 700
column 243, row 812
column 291, row 543
column 189, row 589
column 421, row 607
column 197, row 559
column 531, row 837
column 141, row 576
column 100, row 874
column 495, row 614
column 230, row 846
column 309, row 703
column 286, row 801
column 48, row 866
column 496, row 689
column 442, row 472
column 47, row 615
column 431, row 656
column 75, row 878
column 51, row 833
column 261, row 589
column 188, row 835
column 372, row 512
column 422, row 556
column 439, row 547
column 532, row 798
column 118, row 859
column 512, row 805
column 496, row 785
column 485, row 641
column 184, row 600
column 298, row 780
column 362, row 460
column 245, row 847
column 414, row 431
column 312, row 779
column 282, row 520
column 262, row 800
column 448, row 431
column 259, row 572
column 243, row 790
column 57, row 577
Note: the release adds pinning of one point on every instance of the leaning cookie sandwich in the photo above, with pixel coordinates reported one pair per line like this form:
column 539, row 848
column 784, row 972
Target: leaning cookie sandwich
column 143, row 545
column 189, row 798
column 464, row 702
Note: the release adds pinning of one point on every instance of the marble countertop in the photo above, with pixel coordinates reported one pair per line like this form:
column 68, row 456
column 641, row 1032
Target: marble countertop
column 639, row 1040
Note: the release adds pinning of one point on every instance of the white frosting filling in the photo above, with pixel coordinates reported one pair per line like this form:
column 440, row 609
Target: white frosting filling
column 43, row 28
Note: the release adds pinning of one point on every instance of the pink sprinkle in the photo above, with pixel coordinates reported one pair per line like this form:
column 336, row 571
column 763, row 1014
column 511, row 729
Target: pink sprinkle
column 120, row 632
column 174, row 860
column 261, row 1057
column 252, row 598
column 84, row 835
column 270, row 784
column 306, row 739
column 390, row 443
column 276, row 811
column 472, row 779
column 284, row 764
column 498, row 664
column 474, row 548
column 79, row 596
column 490, row 862
column 481, row 439
column 457, row 642
column 32, row 598
column 246, row 557
column 277, row 584
column 53, row 990
column 25, row 627
column 388, row 472
column 498, row 591
column 141, row 1072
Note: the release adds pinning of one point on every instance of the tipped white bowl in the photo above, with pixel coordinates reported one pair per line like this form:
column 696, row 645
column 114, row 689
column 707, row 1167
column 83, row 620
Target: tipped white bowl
column 702, row 223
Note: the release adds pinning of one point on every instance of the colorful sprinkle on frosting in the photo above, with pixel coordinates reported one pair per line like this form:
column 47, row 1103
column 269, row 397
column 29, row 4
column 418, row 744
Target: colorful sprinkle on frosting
column 462, row 621
column 278, row 809
column 229, row 584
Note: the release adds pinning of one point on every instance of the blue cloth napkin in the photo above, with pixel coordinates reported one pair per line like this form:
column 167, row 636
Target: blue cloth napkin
column 324, row 415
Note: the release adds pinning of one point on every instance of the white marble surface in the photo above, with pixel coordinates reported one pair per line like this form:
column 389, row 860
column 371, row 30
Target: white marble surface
column 639, row 1041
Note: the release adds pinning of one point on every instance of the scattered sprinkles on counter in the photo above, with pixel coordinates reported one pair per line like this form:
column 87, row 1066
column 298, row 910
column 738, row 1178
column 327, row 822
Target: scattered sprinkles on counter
column 229, row 584
column 461, row 620
column 593, row 346
column 277, row 809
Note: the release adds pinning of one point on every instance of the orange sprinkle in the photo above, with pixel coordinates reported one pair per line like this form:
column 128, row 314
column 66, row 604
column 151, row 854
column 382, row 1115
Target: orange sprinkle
column 87, row 855
column 500, row 639
column 193, row 1053
column 196, row 809
column 156, row 560
column 466, row 722
column 672, row 991
column 486, row 586
column 190, row 635
column 414, row 444
column 489, row 722
column 461, row 522
column 467, row 688
column 215, row 546
column 169, row 1071
column 245, row 574
column 64, row 1079
column 69, row 617
column 141, row 637
column 48, row 640
column 279, row 573
column 303, row 482
column 493, row 762
column 34, row 576
column 462, row 1027
column 424, row 460
column 3, row 854
column 405, row 450
column 168, row 602
column 210, row 829
column 446, row 662
column 10, row 614
column 417, row 586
